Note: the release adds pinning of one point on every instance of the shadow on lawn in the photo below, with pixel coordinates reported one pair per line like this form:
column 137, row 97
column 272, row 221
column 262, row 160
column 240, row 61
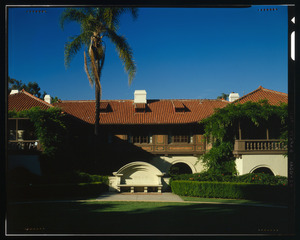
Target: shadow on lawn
column 145, row 218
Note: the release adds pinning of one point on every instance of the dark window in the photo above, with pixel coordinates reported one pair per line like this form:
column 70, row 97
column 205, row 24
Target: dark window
column 180, row 139
column 12, row 129
column 140, row 139
column 21, row 129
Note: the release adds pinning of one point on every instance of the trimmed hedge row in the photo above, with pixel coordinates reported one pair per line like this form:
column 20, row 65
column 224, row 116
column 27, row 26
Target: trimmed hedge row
column 229, row 190
column 39, row 191
column 256, row 178
column 24, row 176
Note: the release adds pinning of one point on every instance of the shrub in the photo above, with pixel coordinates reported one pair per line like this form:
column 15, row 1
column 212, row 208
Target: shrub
column 261, row 178
column 257, row 178
column 228, row 190
column 88, row 178
column 39, row 191
column 23, row 176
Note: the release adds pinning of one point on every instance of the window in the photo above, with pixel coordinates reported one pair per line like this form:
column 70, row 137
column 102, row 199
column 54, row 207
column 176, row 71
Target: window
column 180, row 138
column 21, row 129
column 140, row 139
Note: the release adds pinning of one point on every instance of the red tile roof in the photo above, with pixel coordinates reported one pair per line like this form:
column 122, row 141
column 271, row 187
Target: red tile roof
column 178, row 105
column 23, row 100
column 158, row 111
column 140, row 105
column 273, row 97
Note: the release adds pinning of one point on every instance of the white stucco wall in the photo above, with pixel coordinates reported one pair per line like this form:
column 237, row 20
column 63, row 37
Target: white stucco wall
column 278, row 164
column 149, row 174
column 163, row 163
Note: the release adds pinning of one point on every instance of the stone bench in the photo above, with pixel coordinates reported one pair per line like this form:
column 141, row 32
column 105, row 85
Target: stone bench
column 145, row 186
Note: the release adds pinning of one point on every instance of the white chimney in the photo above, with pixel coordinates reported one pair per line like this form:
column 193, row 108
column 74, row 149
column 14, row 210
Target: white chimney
column 47, row 98
column 233, row 96
column 14, row 91
column 140, row 96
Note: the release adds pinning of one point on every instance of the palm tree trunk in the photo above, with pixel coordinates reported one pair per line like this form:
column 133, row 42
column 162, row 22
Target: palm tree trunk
column 97, row 110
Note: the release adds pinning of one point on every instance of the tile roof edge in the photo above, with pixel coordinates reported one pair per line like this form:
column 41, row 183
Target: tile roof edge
column 269, row 90
column 151, row 100
column 36, row 98
column 260, row 88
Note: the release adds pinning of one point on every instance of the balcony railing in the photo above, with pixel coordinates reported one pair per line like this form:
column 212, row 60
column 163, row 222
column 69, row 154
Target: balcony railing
column 248, row 146
column 24, row 145
column 173, row 148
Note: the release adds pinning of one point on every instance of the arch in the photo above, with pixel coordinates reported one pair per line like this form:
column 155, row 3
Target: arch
column 180, row 168
column 182, row 161
column 262, row 169
column 139, row 173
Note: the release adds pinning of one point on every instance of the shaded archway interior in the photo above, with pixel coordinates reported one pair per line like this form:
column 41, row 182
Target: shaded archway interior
column 180, row 168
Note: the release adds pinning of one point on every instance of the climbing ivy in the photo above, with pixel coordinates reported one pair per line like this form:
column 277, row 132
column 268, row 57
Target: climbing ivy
column 49, row 127
column 220, row 130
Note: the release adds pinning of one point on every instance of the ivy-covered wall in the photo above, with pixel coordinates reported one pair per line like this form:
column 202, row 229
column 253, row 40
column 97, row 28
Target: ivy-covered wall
column 49, row 127
column 221, row 129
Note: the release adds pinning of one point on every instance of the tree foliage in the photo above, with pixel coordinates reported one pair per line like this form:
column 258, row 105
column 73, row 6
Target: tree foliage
column 32, row 87
column 220, row 128
column 49, row 127
column 224, row 96
column 96, row 26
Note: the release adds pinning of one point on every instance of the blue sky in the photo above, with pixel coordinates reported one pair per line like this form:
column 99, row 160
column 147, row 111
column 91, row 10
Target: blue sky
column 181, row 53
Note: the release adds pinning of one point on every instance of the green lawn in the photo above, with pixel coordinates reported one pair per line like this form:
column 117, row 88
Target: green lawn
column 234, row 201
column 144, row 218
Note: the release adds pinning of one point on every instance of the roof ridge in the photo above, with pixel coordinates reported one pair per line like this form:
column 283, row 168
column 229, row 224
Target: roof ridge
column 237, row 100
column 269, row 90
column 36, row 98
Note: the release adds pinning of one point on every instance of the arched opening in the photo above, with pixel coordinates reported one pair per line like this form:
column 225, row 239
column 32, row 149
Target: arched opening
column 263, row 170
column 180, row 168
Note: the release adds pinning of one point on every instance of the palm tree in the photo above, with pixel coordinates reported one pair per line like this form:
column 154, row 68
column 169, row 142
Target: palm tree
column 96, row 26
column 223, row 96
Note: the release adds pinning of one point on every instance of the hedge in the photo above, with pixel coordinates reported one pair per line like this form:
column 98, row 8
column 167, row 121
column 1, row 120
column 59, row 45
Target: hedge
column 37, row 191
column 229, row 190
column 256, row 178
column 21, row 176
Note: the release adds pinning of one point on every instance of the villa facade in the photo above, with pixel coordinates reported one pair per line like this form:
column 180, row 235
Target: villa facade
column 142, row 140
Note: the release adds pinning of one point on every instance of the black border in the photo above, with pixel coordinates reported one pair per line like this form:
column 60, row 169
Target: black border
column 293, row 88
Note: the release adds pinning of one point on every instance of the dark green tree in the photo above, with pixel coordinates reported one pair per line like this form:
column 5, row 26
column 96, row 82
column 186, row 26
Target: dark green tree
column 220, row 128
column 224, row 96
column 31, row 87
column 96, row 26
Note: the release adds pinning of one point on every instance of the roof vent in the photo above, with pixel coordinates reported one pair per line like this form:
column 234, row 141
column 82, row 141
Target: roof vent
column 179, row 106
column 104, row 107
column 233, row 96
column 140, row 96
column 14, row 91
column 47, row 98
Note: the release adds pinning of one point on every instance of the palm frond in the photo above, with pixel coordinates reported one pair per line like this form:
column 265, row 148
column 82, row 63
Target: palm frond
column 134, row 12
column 125, row 53
column 71, row 48
column 71, row 14
column 111, row 16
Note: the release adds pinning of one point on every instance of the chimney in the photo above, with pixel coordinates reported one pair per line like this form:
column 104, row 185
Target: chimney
column 140, row 96
column 233, row 96
column 14, row 91
column 47, row 98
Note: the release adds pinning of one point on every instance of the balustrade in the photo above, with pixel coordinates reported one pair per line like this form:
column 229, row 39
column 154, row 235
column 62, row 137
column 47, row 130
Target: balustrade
column 259, row 146
column 32, row 145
